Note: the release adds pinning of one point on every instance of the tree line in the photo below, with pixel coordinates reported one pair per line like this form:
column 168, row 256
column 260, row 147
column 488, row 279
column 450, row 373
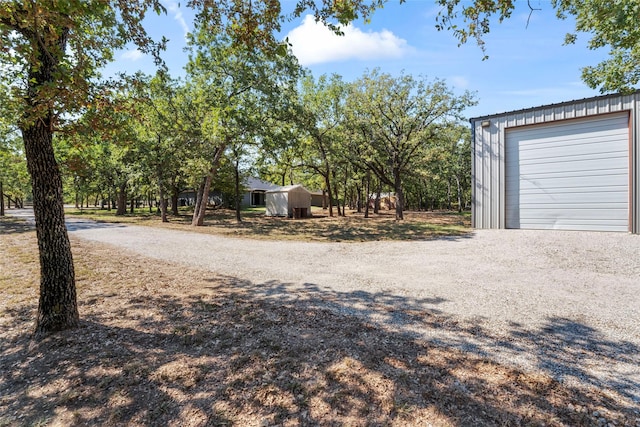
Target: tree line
column 239, row 113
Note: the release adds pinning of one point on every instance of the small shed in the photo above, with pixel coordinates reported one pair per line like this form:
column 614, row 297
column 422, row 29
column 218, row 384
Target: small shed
column 293, row 201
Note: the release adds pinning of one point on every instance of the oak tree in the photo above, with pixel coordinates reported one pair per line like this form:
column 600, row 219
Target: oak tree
column 394, row 118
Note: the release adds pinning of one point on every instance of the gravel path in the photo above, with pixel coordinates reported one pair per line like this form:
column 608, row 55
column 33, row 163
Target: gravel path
column 564, row 302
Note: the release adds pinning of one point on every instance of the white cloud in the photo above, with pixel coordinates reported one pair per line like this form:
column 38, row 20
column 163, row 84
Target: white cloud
column 174, row 8
column 313, row 43
column 133, row 55
column 459, row 82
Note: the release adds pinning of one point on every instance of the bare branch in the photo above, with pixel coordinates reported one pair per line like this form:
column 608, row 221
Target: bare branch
column 530, row 12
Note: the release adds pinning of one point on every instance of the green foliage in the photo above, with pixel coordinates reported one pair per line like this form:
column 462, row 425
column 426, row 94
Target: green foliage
column 613, row 25
column 70, row 41
column 398, row 123
column 13, row 167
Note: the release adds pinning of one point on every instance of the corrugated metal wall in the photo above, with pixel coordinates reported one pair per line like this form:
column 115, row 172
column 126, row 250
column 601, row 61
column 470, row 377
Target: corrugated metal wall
column 488, row 167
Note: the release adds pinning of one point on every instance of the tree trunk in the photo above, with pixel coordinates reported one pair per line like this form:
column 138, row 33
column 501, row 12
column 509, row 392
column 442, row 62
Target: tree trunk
column 163, row 200
column 459, row 190
column 163, row 205
column 198, row 215
column 174, row 200
column 121, row 200
column 57, row 307
column 399, row 195
column 1, row 200
column 199, row 197
column 201, row 206
column 327, row 184
column 366, row 196
column 376, row 203
column 237, row 189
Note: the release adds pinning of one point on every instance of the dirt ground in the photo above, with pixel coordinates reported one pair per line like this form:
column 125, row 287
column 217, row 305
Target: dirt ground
column 353, row 227
column 163, row 345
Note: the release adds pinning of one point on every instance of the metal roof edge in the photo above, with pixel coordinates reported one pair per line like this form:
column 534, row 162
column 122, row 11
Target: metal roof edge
column 558, row 104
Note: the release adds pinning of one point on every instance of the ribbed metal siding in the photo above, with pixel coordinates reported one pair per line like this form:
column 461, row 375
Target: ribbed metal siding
column 489, row 189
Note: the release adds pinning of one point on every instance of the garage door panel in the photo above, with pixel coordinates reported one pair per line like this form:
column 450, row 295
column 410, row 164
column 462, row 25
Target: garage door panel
column 570, row 152
column 587, row 145
column 581, row 199
column 569, row 175
column 569, row 129
column 574, row 226
column 589, row 166
column 590, row 209
column 543, row 184
column 563, row 213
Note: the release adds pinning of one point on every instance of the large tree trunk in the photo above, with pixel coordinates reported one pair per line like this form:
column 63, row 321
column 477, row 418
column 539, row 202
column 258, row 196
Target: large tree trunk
column 57, row 308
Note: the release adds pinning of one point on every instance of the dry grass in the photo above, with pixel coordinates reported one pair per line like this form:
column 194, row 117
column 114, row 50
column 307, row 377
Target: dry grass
column 320, row 227
column 161, row 345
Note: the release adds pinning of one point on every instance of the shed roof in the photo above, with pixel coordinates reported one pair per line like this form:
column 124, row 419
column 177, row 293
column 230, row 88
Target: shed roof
column 288, row 188
column 559, row 104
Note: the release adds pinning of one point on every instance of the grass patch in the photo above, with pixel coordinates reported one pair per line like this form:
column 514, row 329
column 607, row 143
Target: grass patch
column 160, row 344
column 320, row 227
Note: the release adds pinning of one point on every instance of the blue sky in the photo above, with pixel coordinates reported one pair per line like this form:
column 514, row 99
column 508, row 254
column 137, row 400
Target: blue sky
column 527, row 66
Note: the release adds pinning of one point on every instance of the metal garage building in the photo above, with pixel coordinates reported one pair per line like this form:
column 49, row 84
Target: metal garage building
column 569, row 166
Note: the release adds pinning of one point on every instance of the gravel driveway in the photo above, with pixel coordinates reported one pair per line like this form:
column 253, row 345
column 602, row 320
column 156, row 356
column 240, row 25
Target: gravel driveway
column 564, row 302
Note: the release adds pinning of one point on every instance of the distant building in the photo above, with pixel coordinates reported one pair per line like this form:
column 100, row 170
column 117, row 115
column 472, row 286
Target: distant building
column 255, row 191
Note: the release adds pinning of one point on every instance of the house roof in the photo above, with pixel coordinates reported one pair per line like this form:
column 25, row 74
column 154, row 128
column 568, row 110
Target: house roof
column 256, row 184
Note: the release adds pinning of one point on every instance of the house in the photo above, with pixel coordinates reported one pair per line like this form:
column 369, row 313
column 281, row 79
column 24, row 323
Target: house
column 571, row 166
column 293, row 201
column 319, row 199
column 188, row 198
column 255, row 191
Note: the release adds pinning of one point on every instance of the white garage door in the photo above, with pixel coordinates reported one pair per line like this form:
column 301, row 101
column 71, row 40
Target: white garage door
column 571, row 175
